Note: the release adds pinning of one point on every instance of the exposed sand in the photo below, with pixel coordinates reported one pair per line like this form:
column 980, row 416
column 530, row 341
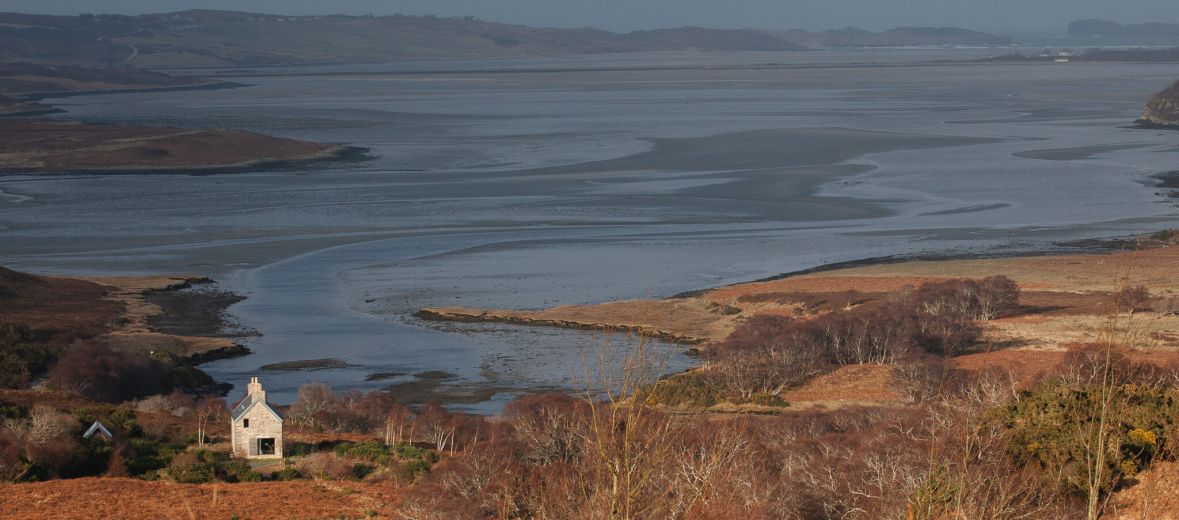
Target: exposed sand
column 683, row 321
column 135, row 333
column 110, row 310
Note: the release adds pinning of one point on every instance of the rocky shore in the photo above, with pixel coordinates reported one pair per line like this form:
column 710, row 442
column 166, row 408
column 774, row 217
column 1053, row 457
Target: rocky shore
column 589, row 317
column 1163, row 109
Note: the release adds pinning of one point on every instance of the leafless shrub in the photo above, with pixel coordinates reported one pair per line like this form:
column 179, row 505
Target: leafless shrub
column 1132, row 299
column 155, row 403
column 325, row 466
column 924, row 378
column 550, row 426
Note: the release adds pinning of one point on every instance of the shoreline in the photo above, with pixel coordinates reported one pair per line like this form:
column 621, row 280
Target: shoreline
column 140, row 327
column 210, row 85
column 467, row 315
column 32, row 112
column 700, row 317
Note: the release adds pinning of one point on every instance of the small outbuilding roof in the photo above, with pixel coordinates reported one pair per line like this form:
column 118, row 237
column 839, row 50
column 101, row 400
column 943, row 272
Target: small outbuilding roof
column 98, row 427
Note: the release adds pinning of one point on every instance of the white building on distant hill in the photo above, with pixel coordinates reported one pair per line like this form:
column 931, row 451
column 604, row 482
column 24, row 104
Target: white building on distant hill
column 255, row 428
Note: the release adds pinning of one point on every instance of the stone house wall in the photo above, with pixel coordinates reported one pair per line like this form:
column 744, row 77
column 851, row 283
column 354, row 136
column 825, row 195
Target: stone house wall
column 263, row 424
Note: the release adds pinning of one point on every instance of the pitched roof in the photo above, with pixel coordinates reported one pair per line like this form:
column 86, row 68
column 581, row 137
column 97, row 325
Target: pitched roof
column 247, row 403
column 98, row 427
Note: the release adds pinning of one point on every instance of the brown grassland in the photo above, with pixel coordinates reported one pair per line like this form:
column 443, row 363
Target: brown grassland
column 128, row 498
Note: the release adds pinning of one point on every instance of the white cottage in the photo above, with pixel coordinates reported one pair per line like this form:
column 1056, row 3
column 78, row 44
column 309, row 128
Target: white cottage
column 255, row 428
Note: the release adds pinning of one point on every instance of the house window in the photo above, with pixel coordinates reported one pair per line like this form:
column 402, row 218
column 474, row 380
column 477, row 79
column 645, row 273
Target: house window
column 266, row 446
column 245, row 423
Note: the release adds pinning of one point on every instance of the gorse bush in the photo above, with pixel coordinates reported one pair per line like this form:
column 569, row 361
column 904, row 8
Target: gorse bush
column 688, row 389
column 21, row 356
column 407, row 461
column 202, row 466
column 695, row 389
column 1054, row 428
column 146, row 456
column 371, row 451
column 1056, row 425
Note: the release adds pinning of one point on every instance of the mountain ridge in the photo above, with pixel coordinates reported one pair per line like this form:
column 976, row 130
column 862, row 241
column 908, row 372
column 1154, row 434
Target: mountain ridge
column 208, row 38
column 1098, row 28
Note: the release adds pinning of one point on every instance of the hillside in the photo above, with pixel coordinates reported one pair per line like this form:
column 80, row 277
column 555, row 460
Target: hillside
column 224, row 38
column 1106, row 29
column 220, row 38
column 898, row 37
column 1163, row 108
column 56, row 306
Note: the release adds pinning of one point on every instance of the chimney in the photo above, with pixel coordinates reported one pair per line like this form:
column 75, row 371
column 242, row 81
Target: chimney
column 255, row 389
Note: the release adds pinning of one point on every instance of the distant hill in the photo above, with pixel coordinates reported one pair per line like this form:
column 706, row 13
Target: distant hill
column 1163, row 108
column 222, row 38
column 899, row 37
column 204, row 38
column 1107, row 29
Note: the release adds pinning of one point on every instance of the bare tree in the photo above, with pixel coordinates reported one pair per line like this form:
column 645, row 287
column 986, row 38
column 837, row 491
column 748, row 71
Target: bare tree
column 549, row 426
column 385, row 415
column 313, row 399
column 438, row 425
column 627, row 437
column 44, row 424
column 206, row 411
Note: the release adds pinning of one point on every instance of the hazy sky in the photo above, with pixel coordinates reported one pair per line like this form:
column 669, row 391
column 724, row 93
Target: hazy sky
column 626, row 15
